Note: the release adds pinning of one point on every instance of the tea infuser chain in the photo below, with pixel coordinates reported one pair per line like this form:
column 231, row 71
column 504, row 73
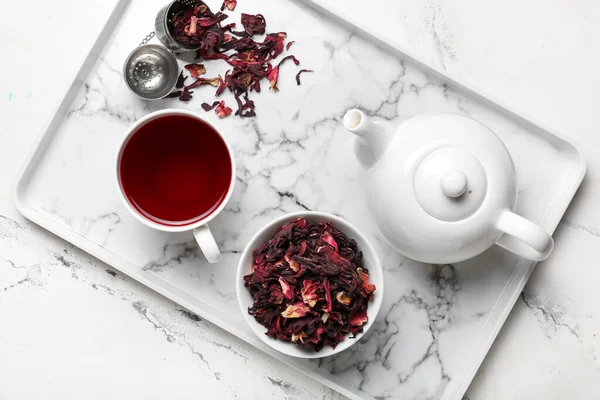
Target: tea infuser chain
column 147, row 38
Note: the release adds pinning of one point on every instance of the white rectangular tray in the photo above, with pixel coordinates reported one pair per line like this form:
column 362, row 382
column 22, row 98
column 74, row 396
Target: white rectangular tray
column 436, row 322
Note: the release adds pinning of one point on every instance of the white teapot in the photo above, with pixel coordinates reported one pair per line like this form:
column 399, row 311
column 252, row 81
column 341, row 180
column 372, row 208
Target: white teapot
column 443, row 188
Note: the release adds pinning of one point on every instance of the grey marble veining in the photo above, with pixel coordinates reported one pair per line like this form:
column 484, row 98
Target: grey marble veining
column 34, row 264
column 295, row 156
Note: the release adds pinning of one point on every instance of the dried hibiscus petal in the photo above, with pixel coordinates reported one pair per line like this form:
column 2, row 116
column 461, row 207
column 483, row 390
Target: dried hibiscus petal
column 273, row 45
column 274, row 74
column 208, row 107
column 180, row 81
column 309, row 293
column 229, row 4
column 327, row 238
column 287, row 290
column 195, row 69
column 273, row 77
column 284, row 59
column 212, row 20
column 293, row 264
column 299, row 337
column 358, row 318
column 253, row 25
column 186, row 95
column 343, row 298
column 222, row 110
column 276, row 295
column 203, row 81
column 211, row 55
column 301, row 72
column 297, row 310
column 336, row 317
column 316, row 336
column 190, row 29
column 222, row 85
column 369, row 288
column 327, row 289
column 228, row 27
column 176, row 93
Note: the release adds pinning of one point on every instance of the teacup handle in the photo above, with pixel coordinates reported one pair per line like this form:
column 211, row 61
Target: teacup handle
column 523, row 237
column 207, row 244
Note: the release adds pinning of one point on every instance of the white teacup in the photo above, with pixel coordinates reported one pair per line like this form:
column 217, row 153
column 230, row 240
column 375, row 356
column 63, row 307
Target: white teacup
column 199, row 224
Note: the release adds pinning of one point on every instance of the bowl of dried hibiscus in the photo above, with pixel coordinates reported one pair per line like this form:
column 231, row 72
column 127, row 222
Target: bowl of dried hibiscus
column 309, row 284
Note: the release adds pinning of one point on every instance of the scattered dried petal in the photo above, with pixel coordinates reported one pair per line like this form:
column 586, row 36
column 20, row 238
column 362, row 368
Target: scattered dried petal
column 290, row 43
column 211, row 55
column 203, row 81
column 222, row 86
column 208, row 107
column 212, row 20
column 222, row 110
column 297, row 310
column 229, row 26
column 180, row 81
column 200, row 29
column 273, row 45
column 195, row 69
column 253, row 25
column 186, row 95
column 229, row 4
column 284, row 59
column 301, row 72
column 176, row 93
column 273, row 77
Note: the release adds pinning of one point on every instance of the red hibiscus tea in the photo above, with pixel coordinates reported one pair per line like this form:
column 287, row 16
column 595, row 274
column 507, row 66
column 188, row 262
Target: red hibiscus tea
column 175, row 170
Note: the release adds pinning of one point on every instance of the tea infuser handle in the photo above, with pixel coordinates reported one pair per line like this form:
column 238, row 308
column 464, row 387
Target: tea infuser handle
column 523, row 237
column 207, row 244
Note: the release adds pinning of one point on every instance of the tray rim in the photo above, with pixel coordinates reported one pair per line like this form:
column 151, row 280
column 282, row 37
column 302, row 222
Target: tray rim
column 454, row 389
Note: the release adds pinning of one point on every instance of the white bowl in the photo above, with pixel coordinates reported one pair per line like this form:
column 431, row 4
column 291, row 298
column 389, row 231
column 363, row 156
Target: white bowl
column 370, row 262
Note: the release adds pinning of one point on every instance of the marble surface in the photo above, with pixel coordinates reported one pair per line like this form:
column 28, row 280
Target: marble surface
column 79, row 322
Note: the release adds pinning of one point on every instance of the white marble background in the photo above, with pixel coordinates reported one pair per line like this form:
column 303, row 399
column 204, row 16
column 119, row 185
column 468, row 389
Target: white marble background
column 66, row 335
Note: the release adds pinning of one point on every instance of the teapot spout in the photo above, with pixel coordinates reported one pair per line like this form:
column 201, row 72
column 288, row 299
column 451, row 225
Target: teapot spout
column 372, row 139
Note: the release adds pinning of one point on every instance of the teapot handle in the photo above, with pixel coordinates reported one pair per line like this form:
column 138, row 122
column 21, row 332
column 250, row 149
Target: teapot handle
column 523, row 237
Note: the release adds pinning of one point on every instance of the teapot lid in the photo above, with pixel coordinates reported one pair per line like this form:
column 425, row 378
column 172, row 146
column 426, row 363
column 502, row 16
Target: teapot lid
column 450, row 184
column 461, row 162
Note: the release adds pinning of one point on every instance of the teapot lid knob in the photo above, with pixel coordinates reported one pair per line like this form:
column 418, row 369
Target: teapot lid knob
column 454, row 183
column 450, row 183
